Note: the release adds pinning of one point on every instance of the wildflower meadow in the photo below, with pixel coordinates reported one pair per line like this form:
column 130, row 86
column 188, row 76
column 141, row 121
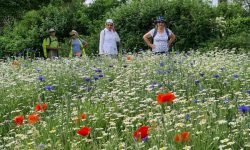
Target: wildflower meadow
column 193, row 100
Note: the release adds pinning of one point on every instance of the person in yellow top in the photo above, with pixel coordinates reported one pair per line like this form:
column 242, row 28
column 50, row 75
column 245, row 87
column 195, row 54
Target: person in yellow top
column 51, row 45
column 77, row 45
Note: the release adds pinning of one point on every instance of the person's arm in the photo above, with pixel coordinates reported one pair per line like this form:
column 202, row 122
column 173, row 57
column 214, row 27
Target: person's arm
column 101, row 42
column 146, row 39
column 84, row 44
column 172, row 38
column 117, row 38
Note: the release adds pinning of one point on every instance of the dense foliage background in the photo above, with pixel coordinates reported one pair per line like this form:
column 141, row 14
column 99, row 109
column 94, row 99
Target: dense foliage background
column 196, row 24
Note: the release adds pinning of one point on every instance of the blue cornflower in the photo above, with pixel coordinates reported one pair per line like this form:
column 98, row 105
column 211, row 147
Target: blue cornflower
column 222, row 68
column 243, row 109
column 161, row 72
column 235, row 76
column 101, row 75
column 96, row 77
column 203, row 101
column 38, row 70
column 187, row 117
column 216, row 76
column 202, row 74
column 161, row 64
column 98, row 70
column 145, row 139
column 87, row 79
column 197, row 82
column 49, row 88
column 226, row 100
column 195, row 100
column 248, row 91
column 41, row 78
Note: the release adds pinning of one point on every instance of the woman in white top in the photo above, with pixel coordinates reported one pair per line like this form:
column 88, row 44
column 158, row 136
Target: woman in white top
column 162, row 37
column 108, row 39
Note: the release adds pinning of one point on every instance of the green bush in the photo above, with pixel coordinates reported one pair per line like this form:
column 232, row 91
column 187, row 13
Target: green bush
column 191, row 21
column 195, row 24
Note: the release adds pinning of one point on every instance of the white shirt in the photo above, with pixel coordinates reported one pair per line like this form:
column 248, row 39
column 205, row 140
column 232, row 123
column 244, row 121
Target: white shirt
column 160, row 41
column 108, row 41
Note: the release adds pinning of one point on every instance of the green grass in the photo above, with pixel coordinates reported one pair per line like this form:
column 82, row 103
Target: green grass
column 209, row 88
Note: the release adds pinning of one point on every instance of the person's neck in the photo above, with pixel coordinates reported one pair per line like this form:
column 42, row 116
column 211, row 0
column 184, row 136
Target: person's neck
column 161, row 28
column 109, row 29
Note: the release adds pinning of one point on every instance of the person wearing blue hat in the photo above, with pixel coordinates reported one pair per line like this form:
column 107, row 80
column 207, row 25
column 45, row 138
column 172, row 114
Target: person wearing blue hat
column 109, row 39
column 162, row 36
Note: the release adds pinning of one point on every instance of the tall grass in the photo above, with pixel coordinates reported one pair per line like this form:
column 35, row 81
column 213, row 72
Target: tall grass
column 119, row 96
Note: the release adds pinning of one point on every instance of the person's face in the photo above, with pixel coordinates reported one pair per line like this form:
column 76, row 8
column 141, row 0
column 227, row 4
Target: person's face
column 109, row 26
column 73, row 36
column 160, row 23
column 52, row 33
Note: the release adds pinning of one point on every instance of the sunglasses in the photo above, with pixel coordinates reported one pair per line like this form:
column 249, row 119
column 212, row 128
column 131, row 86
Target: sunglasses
column 110, row 25
column 160, row 22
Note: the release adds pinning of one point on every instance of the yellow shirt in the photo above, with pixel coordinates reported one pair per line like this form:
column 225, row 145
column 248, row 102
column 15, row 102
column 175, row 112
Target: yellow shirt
column 53, row 43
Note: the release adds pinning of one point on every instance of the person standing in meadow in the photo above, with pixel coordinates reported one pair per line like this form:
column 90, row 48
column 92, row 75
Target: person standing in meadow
column 77, row 45
column 162, row 37
column 51, row 45
column 109, row 39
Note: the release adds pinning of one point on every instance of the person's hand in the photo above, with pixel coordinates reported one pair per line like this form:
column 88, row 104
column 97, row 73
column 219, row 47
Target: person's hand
column 152, row 46
column 85, row 45
column 169, row 45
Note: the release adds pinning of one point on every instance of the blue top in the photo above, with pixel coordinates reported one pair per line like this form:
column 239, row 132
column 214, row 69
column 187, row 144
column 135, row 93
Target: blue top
column 76, row 46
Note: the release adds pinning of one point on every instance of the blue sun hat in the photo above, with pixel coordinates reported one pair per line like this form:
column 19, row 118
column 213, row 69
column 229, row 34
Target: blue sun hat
column 160, row 19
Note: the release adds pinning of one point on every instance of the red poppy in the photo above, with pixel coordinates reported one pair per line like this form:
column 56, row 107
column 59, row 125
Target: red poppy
column 84, row 131
column 83, row 116
column 177, row 138
column 18, row 120
column 41, row 107
column 44, row 106
column 33, row 118
column 38, row 107
column 167, row 97
column 141, row 133
column 184, row 136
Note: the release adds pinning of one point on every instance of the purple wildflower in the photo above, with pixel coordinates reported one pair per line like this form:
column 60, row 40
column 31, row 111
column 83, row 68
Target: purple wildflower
column 87, row 79
column 243, row 109
column 49, row 88
column 41, row 78
column 101, row 75
column 216, row 76
column 162, row 64
column 187, row 117
column 248, row 91
column 98, row 70
column 197, row 82
column 202, row 74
